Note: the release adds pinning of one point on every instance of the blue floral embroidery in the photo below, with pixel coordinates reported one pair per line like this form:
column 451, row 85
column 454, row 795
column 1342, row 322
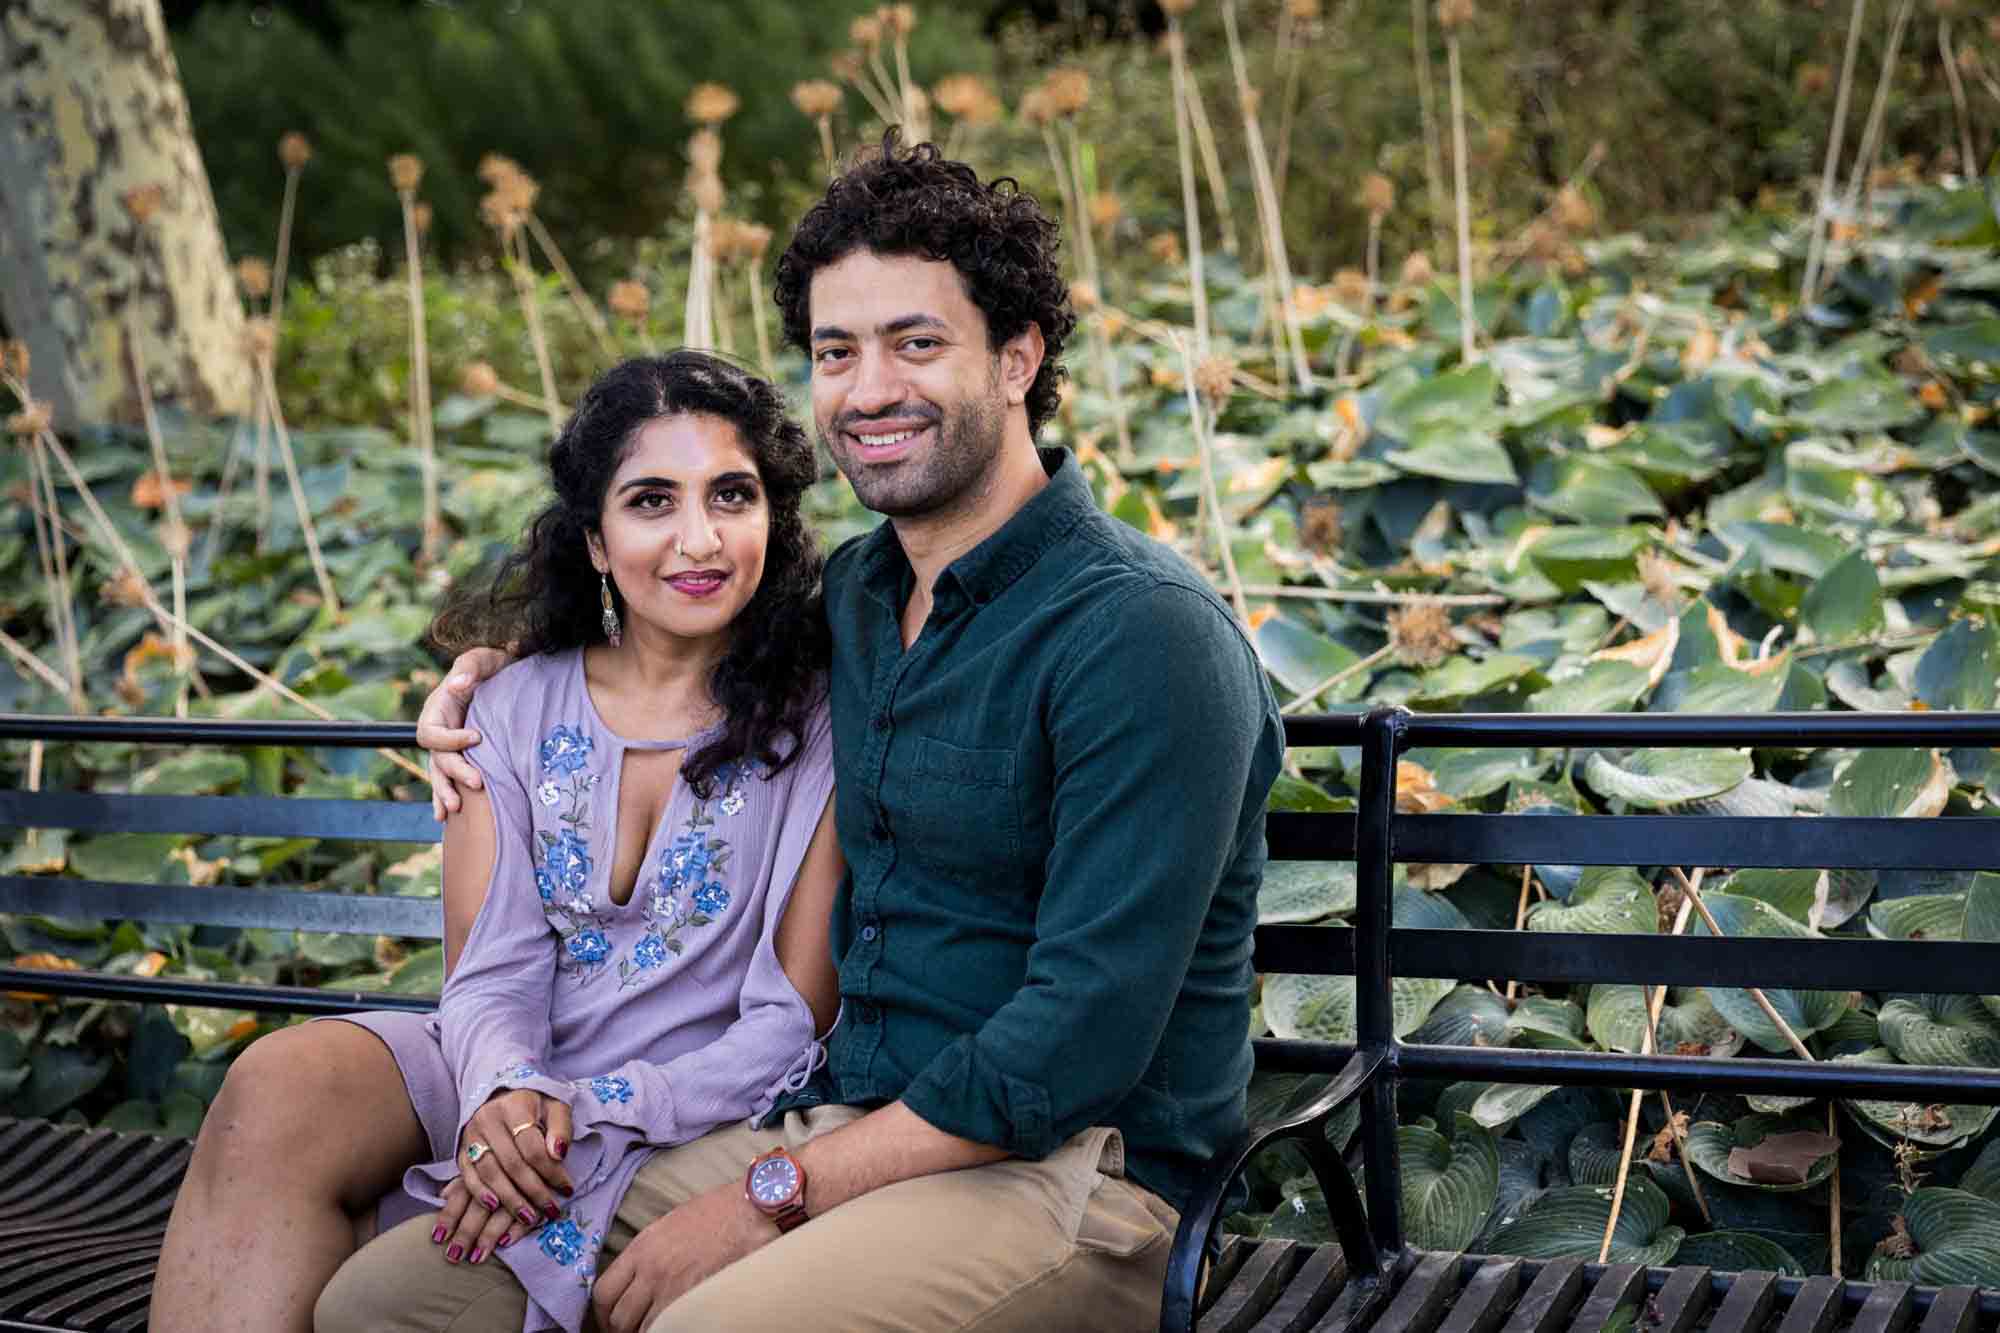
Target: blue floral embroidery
column 650, row 952
column 609, row 1088
column 563, row 1241
column 687, row 891
column 711, row 898
column 588, row 946
column 566, row 750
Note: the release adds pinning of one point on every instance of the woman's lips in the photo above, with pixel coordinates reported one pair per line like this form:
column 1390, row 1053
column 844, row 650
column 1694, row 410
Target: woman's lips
column 698, row 584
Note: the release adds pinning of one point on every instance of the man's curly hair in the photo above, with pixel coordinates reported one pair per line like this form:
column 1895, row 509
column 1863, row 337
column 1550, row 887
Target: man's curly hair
column 916, row 201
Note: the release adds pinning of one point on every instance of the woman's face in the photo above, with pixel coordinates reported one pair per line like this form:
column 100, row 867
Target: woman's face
column 684, row 528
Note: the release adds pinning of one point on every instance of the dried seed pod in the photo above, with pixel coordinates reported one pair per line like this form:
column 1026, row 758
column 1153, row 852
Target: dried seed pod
column 704, row 151
column 969, row 98
column 1572, row 211
column 260, row 338
column 1814, row 80
column 14, row 356
column 499, row 212
column 420, row 217
column 143, row 201
column 722, row 244
column 125, row 589
column 1164, row 246
column 1420, row 635
column 754, row 239
column 1106, row 209
column 1083, row 295
column 479, row 380
column 1215, row 378
column 519, row 190
column 846, row 65
column 629, row 299
column 148, row 492
column 816, row 97
column 1454, row 13
column 1068, row 90
column 897, row 20
column 1320, row 524
column 406, row 172
column 1303, row 11
column 1417, row 270
column 253, row 275
column 865, row 32
column 711, row 104
column 1352, row 289
column 294, row 150
column 1173, row 9
column 706, row 191
column 1378, row 194
column 496, row 167
column 32, row 419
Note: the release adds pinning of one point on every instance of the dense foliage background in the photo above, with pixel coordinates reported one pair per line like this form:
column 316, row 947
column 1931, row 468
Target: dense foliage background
column 1668, row 477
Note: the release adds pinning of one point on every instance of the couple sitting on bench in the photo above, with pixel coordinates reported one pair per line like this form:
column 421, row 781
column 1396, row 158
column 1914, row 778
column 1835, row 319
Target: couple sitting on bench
column 701, row 1062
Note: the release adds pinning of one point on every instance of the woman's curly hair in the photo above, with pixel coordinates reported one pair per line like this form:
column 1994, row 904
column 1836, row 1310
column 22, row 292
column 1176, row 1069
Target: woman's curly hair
column 543, row 597
column 916, row 201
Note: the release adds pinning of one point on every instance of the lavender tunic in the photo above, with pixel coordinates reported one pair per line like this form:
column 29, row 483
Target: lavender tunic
column 656, row 1021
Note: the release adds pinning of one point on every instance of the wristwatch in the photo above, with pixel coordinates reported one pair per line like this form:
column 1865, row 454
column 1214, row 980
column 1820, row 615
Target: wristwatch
column 776, row 1184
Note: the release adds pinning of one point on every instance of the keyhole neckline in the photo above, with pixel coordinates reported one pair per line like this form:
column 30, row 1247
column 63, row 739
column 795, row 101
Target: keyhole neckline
column 634, row 743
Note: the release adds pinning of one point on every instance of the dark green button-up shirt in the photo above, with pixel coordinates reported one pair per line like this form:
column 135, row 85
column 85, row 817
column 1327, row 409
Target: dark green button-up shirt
column 1052, row 811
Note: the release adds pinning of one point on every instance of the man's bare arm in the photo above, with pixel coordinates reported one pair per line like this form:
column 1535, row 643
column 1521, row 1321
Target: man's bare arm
column 885, row 1146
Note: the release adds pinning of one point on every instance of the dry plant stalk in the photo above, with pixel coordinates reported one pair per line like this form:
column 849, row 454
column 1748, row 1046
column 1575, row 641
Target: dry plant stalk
column 1823, row 209
column 1871, row 132
column 1692, row 888
column 1655, row 998
column 1377, row 596
column 176, row 535
column 1468, row 315
column 268, row 381
column 294, row 152
column 586, row 308
column 21, row 653
column 818, row 99
column 406, row 172
column 1200, row 384
column 1275, row 259
column 1211, row 159
column 1190, row 197
column 1420, row 50
column 50, row 550
column 1968, row 163
column 521, row 267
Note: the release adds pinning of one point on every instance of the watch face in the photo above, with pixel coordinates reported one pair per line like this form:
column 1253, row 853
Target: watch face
column 774, row 1181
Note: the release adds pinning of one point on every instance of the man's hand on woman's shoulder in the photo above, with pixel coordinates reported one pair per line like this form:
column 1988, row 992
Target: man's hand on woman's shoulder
column 441, row 727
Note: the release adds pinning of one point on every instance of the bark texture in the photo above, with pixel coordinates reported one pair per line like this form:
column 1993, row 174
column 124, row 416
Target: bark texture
column 91, row 107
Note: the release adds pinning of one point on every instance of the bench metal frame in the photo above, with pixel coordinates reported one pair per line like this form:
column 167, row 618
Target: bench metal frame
column 1375, row 837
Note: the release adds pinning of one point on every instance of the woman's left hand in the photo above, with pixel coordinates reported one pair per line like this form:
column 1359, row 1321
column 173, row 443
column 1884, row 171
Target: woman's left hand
column 468, row 1229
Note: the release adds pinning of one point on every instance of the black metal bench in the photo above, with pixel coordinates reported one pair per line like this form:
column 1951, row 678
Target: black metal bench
column 1372, row 1279
column 82, row 1211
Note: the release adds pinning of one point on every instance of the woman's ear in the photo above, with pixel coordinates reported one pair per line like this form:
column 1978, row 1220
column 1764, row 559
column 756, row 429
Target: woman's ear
column 594, row 542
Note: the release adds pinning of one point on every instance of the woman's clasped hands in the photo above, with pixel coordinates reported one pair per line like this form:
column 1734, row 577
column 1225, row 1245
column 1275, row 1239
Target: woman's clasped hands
column 511, row 1178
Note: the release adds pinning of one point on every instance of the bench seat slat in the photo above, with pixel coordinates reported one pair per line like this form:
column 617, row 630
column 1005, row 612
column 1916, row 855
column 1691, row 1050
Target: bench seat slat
column 217, row 905
column 1549, row 1298
column 1683, row 1299
column 1483, row 1304
column 1888, row 1308
column 1309, row 1294
column 1622, row 1285
column 1953, row 1310
column 1256, row 1284
column 1748, row 1304
column 1816, row 1308
column 1421, row 1301
column 238, row 816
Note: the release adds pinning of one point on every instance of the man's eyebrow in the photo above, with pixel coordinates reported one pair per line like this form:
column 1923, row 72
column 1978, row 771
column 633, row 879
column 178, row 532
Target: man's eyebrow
column 901, row 324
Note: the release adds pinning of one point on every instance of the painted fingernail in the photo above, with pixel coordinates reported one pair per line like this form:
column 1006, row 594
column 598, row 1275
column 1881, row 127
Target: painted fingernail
column 565, row 1190
column 505, row 1241
column 455, row 1253
column 526, row 1214
column 478, row 1255
column 562, row 1146
column 489, row 1200
column 438, row 1234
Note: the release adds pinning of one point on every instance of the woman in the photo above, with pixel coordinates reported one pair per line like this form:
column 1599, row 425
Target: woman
column 636, row 903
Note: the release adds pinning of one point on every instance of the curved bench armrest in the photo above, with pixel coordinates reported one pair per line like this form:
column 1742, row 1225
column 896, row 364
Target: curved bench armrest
column 1306, row 1127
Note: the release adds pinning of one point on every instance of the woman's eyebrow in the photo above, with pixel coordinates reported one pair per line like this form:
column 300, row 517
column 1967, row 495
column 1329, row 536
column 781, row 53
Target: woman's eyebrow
column 635, row 482
column 734, row 479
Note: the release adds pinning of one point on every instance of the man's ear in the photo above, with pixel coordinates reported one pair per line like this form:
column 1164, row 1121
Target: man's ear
column 600, row 562
column 1020, row 362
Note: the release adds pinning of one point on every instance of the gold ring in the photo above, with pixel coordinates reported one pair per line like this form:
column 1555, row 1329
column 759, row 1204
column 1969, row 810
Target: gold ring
column 476, row 1150
column 525, row 1124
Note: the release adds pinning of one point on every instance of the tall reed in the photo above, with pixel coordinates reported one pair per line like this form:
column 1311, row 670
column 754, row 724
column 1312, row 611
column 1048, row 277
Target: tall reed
column 1452, row 16
column 1823, row 205
column 1267, row 205
column 406, row 172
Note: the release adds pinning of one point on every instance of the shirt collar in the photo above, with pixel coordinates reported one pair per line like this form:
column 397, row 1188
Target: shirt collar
column 991, row 567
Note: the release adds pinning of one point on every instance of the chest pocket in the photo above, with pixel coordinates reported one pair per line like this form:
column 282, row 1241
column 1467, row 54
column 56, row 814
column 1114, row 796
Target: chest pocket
column 964, row 823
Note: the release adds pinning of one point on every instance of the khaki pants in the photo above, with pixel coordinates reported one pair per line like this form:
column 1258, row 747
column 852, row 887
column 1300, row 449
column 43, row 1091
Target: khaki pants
column 1064, row 1243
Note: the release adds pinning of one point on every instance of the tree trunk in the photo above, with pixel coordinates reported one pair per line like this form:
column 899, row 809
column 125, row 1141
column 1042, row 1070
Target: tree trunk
column 91, row 108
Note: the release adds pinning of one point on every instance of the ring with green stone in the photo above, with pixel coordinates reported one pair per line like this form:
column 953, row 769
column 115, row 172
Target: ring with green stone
column 476, row 1150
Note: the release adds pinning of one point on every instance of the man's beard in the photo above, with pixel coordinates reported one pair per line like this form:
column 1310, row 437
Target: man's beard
column 965, row 445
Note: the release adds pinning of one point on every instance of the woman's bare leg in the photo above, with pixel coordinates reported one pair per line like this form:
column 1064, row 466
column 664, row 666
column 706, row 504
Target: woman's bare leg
column 312, row 1126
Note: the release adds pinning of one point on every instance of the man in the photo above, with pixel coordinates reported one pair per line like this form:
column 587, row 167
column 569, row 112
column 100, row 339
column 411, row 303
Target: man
column 1053, row 746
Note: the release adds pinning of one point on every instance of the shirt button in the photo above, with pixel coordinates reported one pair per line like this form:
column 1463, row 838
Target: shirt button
column 881, row 722
column 869, row 933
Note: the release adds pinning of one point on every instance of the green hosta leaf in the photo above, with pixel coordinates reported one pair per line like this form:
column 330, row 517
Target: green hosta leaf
column 1300, row 658
column 1550, row 1017
column 1960, row 667
column 1466, row 400
column 1799, row 894
column 1470, row 774
column 1449, row 1185
column 1572, row 557
column 1717, row 687
column 1350, row 474
column 1689, row 1025
column 1709, row 1144
column 1983, row 1176
column 1785, row 547
column 1464, row 678
column 1901, row 784
column 129, row 857
column 1586, row 489
column 1831, row 484
column 1852, row 404
column 1570, row 1222
column 422, row 973
column 1501, row 1104
column 1845, row 602
column 1755, row 797
column 1469, row 1016
column 1953, row 1030
column 1806, row 1011
column 58, row 1077
column 1921, row 916
column 1456, row 455
column 1978, row 340
column 1298, row 795
column 1737, row 1252
column 193, row 774
column 1655, row 779
column 1305, row 891
column 1602, row 687
column 1957, row 1236
column 1609, row 900
column 1322, row 1008
column 1932, row 1127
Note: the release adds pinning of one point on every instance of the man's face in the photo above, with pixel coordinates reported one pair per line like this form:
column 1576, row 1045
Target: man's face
column 906, row 388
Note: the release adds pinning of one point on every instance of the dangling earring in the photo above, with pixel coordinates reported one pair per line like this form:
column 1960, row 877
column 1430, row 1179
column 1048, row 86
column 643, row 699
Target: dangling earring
column 611, row 627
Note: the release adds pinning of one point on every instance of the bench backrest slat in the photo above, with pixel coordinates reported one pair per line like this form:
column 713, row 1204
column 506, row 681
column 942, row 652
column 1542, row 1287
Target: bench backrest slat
column 218, row 905
column 1819, row 842
column 240, row 816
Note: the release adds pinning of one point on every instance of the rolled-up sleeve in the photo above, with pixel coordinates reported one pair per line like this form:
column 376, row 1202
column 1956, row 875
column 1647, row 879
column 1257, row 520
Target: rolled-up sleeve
column 1160, row 727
